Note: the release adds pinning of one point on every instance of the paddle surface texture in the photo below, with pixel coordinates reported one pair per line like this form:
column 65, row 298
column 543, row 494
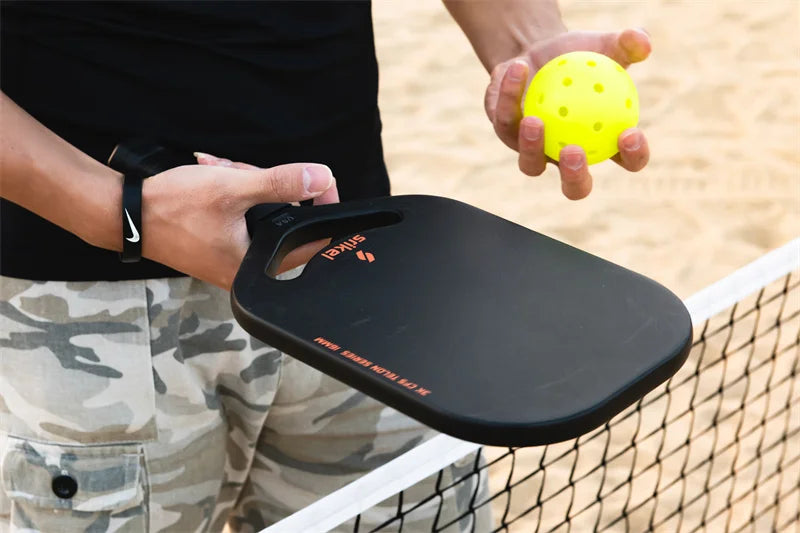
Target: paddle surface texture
column 469, row 323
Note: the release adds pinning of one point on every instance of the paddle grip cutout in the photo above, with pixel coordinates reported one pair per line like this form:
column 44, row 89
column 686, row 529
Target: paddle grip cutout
column 275, row 234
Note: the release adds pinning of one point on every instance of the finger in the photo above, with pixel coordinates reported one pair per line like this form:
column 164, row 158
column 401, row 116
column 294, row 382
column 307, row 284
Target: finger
column 301, row 255
column 628, row 46
column 212, row 160
column 493, row 90
column 636, row 44
column 576, row 182
column 634, row 153
column 331, row 196
column 286, row 183
column 531, row 146
column 509, row 111
column 625, row 47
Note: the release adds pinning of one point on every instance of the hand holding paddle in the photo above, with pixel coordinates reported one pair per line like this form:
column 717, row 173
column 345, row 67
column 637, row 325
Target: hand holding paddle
column 193, row 216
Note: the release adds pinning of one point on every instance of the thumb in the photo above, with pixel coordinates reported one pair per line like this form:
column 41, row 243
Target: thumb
column 493, row 90
column 288, row 183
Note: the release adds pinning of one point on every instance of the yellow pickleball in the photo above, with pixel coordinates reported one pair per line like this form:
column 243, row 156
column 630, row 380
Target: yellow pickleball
column 583, row 98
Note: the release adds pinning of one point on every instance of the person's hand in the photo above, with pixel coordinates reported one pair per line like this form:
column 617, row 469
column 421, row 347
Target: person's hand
column 194, row 215
column 503, row 103
column 301, row 254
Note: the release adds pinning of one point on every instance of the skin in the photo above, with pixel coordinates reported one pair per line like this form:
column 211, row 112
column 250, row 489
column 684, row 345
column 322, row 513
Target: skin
column 193, row 216
column 531, row 35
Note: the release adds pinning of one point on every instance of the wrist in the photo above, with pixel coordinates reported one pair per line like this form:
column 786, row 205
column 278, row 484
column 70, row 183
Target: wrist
column 102, row 224
column 84, row 197
column 522, row 40
column 158, row 211
column 502, row 29
column 48, row 176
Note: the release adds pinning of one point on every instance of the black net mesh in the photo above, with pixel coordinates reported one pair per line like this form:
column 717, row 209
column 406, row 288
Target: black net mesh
column 716, row 448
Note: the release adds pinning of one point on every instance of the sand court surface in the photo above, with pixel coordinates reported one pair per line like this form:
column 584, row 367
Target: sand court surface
column 719, row 102
column 721, row 107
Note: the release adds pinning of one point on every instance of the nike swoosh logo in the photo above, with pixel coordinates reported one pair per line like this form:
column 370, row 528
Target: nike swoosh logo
column 134, row 233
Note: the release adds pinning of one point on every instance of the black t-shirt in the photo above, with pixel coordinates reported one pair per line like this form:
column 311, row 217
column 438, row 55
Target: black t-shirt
column 261, row 82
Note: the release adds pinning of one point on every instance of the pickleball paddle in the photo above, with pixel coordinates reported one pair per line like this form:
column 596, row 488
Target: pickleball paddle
column 465, row 321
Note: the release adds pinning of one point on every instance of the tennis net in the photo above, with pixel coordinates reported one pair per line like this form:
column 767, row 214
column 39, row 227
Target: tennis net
column 716, row 448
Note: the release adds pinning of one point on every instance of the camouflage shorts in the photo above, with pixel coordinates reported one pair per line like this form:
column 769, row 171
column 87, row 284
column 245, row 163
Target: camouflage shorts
column 143, row 406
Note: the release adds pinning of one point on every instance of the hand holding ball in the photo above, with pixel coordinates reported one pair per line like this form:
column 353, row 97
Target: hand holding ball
column 583, row 98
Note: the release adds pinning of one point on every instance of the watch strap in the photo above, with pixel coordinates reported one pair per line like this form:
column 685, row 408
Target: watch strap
column 131, row 219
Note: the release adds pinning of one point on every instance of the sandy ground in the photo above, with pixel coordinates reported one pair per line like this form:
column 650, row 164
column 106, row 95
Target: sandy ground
column 719, row 102
column 721, row 107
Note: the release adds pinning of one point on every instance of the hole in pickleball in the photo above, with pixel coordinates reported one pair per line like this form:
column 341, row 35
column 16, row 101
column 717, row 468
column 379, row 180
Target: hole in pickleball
column 541, row 98
column 591, row 152
column 563, row 111
column 591, row 63
column 620, row 69
column 562, row 62
column 567, row 82
column 628, row 103
column 561, row 144
column 598, row 126
column 598, row 87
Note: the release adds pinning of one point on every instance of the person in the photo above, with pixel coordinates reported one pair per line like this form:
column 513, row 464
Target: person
column 129, row 397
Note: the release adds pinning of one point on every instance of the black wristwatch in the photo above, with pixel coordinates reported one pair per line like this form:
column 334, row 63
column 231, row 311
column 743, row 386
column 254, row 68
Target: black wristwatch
column 137, row 160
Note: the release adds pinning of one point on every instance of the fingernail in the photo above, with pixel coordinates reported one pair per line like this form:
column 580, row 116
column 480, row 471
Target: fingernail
column 317, row 179
column 631, row 142
column 572, row 160
column 516, row 70
column 631, row 47
column 531, row 132
column 213, row 160
column 201, row 155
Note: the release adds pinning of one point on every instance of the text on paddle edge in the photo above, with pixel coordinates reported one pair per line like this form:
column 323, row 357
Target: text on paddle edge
column 366, row 363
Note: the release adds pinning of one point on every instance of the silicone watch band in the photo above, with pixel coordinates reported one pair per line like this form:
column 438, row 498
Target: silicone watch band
column 131, row 219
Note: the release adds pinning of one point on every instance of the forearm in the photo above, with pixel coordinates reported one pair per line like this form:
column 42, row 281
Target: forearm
column 46, row 175
column 501, row 29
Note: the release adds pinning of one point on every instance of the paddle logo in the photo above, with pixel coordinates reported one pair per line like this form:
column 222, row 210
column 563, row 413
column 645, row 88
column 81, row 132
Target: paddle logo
column 348, row 246
column 365, row 256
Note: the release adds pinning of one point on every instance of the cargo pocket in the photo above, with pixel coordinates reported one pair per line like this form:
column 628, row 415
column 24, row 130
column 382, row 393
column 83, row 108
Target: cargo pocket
column 55, row 487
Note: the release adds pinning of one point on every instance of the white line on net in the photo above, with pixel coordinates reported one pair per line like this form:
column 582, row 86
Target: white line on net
column 442, row 450
column 744, row 282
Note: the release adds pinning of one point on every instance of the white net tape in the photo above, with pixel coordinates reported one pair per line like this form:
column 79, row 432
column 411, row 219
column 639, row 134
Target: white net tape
column 433, row 456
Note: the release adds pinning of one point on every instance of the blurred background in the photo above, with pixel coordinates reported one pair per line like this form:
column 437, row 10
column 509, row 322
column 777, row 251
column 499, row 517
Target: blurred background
column 720, row 103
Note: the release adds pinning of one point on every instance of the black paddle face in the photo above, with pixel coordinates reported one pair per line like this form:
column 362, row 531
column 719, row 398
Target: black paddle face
column 473, row 325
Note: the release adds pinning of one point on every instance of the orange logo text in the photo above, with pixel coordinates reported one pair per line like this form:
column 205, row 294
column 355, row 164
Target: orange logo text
column 346, row 246
column 379, row 370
